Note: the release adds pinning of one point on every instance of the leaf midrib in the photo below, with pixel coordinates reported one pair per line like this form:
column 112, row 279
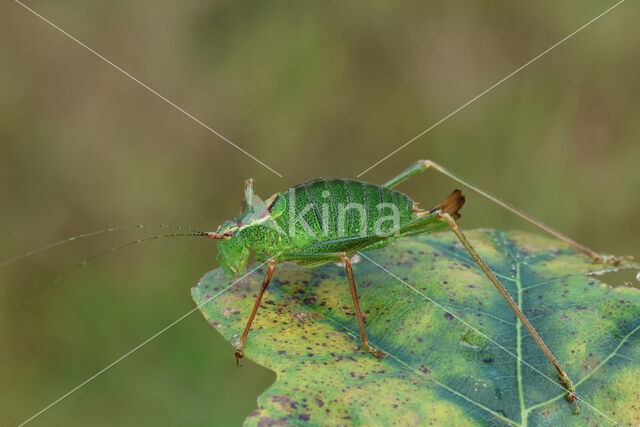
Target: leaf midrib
column 523, row 413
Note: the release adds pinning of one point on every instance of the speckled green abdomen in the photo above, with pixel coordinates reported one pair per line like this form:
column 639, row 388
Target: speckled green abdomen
column 338, row 208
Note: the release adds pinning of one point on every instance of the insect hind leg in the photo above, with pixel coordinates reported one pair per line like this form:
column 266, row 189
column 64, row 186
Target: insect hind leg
column 571, row 393
column 423, row 165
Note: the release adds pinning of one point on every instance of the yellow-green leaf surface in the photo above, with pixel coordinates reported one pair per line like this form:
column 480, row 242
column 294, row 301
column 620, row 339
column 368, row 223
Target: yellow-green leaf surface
column 455, row 352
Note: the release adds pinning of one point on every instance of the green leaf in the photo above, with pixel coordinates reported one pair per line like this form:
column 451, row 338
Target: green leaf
column 447, row 360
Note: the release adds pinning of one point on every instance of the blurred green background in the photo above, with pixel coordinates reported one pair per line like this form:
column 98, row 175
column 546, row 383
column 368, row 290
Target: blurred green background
column 310, row 88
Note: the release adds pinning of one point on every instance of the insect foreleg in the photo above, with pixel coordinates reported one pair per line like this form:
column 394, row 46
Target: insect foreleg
column 352, row 284
column 271, row 265
column 571, row 396
column 422, row 165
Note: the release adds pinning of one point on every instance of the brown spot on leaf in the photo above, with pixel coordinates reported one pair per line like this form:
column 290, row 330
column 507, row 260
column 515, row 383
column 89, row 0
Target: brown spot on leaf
column 285, row 402
column 425, row 370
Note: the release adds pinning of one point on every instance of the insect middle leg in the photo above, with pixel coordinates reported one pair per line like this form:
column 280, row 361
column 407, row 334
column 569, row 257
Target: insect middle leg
column 571, row 394
column 271, row 265
column 422, row 165
column 354, row 293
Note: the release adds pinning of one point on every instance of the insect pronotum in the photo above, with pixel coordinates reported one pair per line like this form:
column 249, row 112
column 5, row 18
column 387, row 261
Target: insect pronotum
column 329, row 220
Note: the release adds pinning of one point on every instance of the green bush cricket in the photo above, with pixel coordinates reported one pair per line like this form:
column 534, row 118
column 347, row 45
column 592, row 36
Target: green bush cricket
column 330, row 220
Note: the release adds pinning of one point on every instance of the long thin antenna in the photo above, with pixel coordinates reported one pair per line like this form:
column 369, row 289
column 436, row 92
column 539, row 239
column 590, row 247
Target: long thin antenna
column 111, row 250
column 93, row 233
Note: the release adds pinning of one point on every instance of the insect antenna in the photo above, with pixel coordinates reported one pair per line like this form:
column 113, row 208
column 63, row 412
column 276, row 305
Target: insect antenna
column 111, row 250
column 89, row 234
